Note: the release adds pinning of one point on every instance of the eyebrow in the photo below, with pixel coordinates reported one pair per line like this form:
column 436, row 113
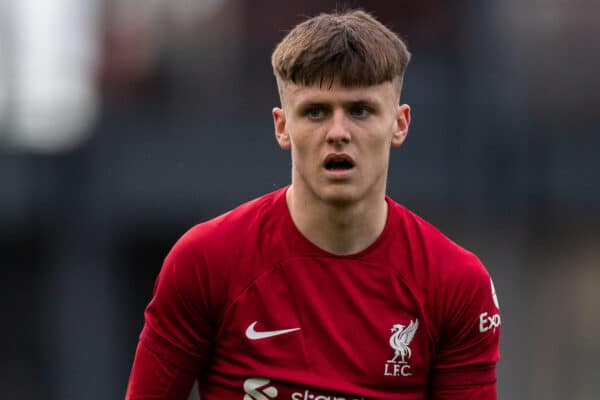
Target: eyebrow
column 365, row 101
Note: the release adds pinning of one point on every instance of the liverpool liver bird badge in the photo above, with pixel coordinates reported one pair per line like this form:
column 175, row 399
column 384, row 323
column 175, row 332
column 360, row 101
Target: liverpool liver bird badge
column 400, row 341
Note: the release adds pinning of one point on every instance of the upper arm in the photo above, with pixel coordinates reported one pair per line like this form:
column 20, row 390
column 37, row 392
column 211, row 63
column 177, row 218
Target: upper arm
column 178, row 331
column 178, row 323
column 465, row 366
column 153, row 378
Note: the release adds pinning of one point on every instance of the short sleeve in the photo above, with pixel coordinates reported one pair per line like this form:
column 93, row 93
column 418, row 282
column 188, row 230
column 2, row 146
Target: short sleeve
column 465, row 366
column 178, row 325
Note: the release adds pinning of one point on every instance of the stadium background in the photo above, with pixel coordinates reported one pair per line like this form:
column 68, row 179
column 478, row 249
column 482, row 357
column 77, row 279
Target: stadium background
column 124, row 122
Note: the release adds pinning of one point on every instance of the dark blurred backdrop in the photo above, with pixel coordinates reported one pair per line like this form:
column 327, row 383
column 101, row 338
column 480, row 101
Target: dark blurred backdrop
column 125, row 122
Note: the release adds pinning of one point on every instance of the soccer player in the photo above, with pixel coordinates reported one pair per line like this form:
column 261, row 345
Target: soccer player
column 325, row 289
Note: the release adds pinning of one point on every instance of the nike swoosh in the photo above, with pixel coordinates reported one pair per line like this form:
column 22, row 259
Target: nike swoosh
column 254, row 335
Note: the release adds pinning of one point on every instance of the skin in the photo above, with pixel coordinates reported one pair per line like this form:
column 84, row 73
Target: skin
column 342, row 212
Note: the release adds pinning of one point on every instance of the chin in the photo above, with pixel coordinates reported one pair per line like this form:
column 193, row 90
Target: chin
column 339, row 196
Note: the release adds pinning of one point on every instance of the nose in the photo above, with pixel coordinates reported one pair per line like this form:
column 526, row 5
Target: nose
column 338, row 132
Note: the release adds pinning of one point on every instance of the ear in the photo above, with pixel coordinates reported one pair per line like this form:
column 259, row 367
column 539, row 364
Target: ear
column 401, row 125
column 280, row 131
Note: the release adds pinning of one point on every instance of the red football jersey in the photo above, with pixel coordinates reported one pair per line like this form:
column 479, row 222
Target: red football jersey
column 250, row 308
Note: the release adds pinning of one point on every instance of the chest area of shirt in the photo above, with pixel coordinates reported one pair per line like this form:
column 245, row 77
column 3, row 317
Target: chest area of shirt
column 317, row 321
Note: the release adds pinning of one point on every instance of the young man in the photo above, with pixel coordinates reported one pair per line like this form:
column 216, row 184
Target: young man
column 326, row 289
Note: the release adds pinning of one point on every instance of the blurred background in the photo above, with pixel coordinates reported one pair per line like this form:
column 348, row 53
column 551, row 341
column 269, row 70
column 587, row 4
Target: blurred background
column 125, row 122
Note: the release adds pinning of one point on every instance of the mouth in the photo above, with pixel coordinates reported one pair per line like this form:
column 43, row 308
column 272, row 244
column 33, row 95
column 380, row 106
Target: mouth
column 338, row 162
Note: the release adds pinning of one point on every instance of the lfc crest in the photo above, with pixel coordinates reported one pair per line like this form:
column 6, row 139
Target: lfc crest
column 400, row 342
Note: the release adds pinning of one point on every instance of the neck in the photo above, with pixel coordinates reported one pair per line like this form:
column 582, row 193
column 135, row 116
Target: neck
column 339, row 229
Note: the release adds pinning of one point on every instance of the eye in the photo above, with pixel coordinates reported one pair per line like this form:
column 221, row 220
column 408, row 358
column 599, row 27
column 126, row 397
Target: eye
column 315, row 112
column 360, row 111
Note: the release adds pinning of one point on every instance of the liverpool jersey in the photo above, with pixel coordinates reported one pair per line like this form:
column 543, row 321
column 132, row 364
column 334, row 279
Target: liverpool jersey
column 254, row 310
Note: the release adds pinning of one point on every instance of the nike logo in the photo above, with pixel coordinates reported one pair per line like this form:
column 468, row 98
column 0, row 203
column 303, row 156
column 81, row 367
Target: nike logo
column 252, row 334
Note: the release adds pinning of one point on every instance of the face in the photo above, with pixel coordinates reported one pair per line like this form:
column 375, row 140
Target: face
column 340, row 138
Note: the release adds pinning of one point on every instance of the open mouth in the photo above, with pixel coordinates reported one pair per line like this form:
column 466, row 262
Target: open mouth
column 338, row 162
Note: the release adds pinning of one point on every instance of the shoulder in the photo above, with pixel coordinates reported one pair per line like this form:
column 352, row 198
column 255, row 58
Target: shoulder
column 217, row 258
column 232, row 247
column 458, row 287
column 231, row 230
column 444, row 257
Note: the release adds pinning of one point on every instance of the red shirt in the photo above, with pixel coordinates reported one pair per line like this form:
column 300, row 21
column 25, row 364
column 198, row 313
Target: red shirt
column 247, row 306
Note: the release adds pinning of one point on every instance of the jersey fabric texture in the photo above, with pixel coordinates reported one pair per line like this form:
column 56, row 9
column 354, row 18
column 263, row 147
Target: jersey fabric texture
column 252, row 310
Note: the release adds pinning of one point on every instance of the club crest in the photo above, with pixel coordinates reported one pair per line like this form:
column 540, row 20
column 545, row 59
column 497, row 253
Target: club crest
column 399, row 341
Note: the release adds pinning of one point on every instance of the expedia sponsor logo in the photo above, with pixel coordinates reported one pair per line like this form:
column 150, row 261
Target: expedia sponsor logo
column 490, row 321
column 487, row 322
column 494, row 296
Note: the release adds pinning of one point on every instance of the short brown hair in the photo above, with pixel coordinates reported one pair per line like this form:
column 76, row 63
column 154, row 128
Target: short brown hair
column 350, row 46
